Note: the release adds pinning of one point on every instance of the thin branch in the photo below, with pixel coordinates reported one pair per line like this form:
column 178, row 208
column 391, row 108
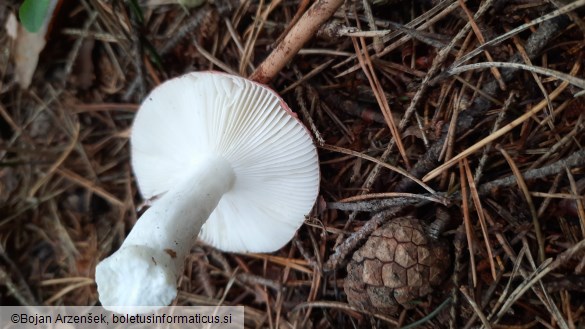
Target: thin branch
column 299, row 34
column 540, row 70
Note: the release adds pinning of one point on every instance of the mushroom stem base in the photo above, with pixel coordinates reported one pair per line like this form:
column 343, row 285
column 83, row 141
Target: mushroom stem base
column 123, row 277
column 145, row 270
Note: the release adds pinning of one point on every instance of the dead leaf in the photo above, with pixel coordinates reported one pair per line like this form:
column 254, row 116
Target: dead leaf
column 26, row 55
column 28, row 46
column 11, row 26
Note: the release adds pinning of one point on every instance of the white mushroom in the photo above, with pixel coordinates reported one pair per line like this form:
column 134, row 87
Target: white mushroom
column 227, row 161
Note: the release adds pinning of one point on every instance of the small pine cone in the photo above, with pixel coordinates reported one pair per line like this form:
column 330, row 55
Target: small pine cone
column 398, row 264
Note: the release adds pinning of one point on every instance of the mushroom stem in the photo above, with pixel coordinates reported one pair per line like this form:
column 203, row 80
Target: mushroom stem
column 144, row 271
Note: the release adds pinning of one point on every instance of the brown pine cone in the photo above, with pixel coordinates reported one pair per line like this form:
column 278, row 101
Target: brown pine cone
column 397, row 265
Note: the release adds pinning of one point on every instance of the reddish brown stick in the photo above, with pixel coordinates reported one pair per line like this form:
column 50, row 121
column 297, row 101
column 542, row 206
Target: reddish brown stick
column 300, row 33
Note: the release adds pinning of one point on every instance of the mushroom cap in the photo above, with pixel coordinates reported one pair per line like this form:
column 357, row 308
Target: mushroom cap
column 189, row 118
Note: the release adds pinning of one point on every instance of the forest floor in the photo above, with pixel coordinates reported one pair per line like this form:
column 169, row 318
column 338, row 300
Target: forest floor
column 390, row 90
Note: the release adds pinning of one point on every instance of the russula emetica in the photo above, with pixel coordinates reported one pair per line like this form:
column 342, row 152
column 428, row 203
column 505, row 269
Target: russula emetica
column 225, row 160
